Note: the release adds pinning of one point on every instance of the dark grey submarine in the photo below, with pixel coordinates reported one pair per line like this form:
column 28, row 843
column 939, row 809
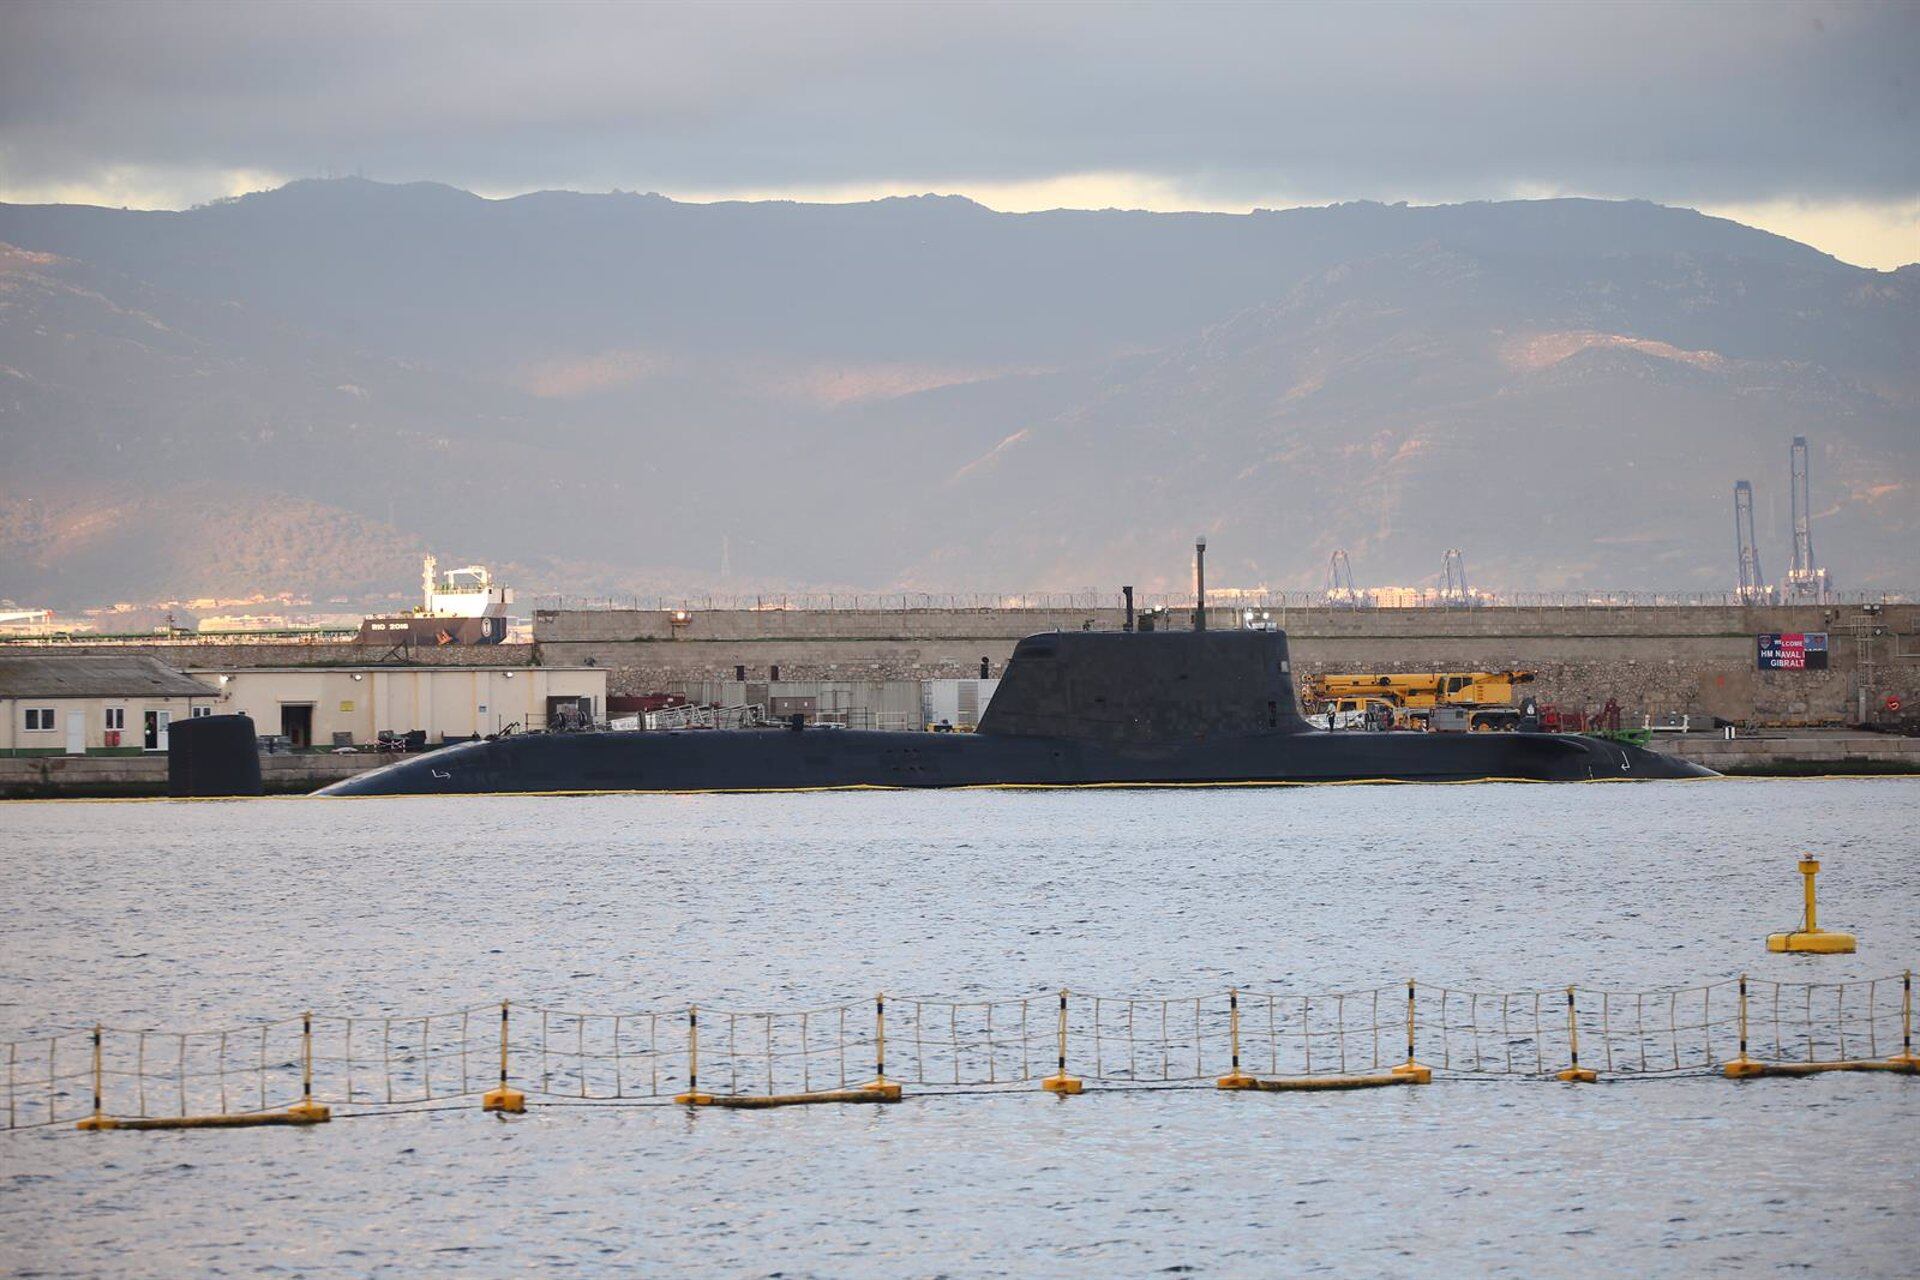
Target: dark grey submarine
column 1074, row 709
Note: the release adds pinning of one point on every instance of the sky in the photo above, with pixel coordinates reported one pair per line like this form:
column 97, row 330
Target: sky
column 1799, row 116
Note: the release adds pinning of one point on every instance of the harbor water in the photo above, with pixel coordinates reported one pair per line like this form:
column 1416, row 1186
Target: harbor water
column 181, row 915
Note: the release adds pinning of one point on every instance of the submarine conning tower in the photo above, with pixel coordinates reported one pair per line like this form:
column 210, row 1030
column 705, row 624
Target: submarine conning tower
column 1146, row 687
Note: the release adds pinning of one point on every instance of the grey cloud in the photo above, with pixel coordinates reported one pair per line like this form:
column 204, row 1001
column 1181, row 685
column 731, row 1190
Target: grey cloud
column 1719, row 102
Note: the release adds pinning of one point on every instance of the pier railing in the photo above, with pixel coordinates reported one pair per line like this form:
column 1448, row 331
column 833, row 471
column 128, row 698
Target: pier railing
column 512, row 1054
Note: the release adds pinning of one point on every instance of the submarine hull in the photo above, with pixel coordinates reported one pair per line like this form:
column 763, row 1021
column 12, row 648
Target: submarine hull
column 787, row 760
column 1075, row 709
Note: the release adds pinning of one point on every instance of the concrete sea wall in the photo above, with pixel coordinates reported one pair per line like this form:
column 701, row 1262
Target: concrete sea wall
column 1798, row 753
column 1698, row 661
column 95, row 777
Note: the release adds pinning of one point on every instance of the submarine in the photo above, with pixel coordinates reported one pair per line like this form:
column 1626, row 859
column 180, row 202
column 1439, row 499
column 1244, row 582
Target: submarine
column 1129, row 708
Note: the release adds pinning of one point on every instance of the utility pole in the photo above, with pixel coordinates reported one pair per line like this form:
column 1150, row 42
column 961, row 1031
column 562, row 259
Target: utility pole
column 1200, row 583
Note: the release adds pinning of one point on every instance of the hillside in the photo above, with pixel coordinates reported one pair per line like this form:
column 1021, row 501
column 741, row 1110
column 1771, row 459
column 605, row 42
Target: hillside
column 304, row 388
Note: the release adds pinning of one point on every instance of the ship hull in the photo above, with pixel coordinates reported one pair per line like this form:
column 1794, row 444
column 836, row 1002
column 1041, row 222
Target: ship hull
column 818, row 759
column 429, row 632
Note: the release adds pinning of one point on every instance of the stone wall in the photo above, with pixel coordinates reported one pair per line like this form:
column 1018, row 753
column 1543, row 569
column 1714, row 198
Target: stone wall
column 1798, row 753
column 1693, row 660
column 70, row 777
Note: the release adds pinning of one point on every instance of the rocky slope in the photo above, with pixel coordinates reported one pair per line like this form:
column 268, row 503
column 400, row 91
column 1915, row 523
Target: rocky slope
column 302, row 389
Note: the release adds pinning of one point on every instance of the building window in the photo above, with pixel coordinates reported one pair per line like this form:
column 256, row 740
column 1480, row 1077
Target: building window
column 196, row 712
column 116, row 718
column 40, row 718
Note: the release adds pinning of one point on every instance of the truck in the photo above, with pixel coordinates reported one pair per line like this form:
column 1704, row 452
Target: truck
column 1486, row 696
column 1350, row 713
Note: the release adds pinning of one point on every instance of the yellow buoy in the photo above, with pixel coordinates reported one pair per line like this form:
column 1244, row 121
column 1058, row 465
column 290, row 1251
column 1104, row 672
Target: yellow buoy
column 1810, row 938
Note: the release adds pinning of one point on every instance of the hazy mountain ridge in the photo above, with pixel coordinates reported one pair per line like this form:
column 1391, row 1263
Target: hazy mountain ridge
column 1373, row 410
column 924, row 392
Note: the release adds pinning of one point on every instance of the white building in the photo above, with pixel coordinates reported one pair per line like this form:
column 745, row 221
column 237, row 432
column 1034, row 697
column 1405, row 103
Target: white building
column 71, row 705
column 955, row 703
column 337, row 706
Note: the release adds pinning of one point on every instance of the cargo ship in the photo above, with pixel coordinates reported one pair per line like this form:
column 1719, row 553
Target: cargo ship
column 1122, row 708
column 460, row 606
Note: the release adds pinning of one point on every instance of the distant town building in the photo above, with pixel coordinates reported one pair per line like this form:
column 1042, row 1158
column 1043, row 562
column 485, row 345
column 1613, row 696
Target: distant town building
column 35, row 623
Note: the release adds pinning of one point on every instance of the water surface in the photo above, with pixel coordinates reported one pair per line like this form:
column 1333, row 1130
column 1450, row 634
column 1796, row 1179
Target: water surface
column 177, row 915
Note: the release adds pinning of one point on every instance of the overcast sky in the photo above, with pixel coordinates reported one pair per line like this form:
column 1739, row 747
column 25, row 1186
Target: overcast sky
column 1799, row 116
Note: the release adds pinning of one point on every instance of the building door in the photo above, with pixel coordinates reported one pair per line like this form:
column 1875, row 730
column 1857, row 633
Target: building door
column 154, row 734
column 296, row 723
column 76, row 733
column 785, row 708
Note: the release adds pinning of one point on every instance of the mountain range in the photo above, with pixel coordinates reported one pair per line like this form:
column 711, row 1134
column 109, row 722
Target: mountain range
column 303, row 389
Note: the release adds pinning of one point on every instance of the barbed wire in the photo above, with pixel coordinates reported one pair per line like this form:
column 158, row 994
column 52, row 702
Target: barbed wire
column 1220, row 601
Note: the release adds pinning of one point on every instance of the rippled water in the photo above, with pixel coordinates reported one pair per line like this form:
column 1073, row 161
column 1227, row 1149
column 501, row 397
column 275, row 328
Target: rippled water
column 172, row 915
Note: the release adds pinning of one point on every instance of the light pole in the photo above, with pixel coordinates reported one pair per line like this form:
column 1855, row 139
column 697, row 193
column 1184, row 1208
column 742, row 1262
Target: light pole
column 1200, row 583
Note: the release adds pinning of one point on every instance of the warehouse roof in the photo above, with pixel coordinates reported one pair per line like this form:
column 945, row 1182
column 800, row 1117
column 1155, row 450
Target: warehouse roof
column 110, row 676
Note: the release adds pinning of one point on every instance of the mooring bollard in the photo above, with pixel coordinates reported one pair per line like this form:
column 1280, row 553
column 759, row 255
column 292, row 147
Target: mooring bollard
column 506, row 1099
column 1810, row 938
column 1412, row 1067
column 1575, row 1073
column 1060, row 1082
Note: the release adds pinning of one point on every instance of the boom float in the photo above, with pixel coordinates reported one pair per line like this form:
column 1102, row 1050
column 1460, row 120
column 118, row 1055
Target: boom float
column 508, row 1058
column 1125, row 708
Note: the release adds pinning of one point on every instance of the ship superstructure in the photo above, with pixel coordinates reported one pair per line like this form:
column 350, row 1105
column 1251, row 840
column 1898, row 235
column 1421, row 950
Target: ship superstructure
column 459, row 606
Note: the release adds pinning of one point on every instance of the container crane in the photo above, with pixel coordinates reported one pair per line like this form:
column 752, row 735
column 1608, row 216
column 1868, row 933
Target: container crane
column 1805, row 583
column 1753, row 583
column 1341, row 593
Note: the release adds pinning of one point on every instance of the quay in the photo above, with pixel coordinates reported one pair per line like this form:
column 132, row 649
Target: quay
column 103, row 777
column 1698, row 672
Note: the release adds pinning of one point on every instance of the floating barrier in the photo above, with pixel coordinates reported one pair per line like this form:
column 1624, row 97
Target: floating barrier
column 878, row 1089
column 508, row 1056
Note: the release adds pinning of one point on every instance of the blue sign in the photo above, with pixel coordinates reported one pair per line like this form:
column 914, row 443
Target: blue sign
column 1793, row 651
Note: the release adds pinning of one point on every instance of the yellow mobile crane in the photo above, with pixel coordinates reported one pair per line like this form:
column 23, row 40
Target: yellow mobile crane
column 1486, row 696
